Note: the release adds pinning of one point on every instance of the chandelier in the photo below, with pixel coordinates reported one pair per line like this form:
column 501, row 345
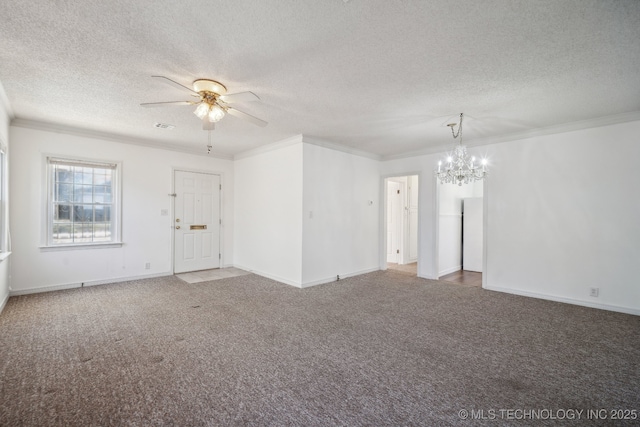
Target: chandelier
column 458, row 168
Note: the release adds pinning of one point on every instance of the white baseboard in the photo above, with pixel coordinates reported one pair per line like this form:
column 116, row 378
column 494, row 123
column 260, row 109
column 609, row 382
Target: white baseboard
column 449, row 270
column 88, row 283
column 619, row 309
column 334, row 279
column 269, row 276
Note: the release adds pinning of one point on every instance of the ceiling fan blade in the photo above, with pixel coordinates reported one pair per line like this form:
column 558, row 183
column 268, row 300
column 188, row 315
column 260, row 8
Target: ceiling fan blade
column 166, row 104
column 174, row 84
column 240, row 97
column 245, row 116
column 207, row 125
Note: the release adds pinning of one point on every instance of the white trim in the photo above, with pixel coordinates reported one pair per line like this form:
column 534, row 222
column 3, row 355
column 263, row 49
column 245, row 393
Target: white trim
column 269, row 147
column 485, row 229
column 619, row 309
column 4, row 255
column 269, row 276
column 449, row 270
column 81, row 246
column 342, row 276
column 88, row 133
column 82, row 284
column 549, row 130
column 339, row 147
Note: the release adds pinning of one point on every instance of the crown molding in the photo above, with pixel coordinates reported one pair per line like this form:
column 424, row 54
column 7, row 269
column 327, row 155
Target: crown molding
column 631, row 116
column 88, row 133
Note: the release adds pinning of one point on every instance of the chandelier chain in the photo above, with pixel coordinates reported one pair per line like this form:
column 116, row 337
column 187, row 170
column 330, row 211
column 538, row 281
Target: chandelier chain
column 455, row 135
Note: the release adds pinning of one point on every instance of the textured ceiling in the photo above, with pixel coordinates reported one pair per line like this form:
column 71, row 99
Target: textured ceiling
column 376, row 76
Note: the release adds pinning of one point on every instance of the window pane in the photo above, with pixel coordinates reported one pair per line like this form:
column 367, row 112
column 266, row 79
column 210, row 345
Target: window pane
column 63, row 193
column 100, row 177
column 87, row 177
column 83, row 213
column 83, row 193
column 62, row 233
column 102, row 194
column 62, row 213
column 64, row 173
column 101, row 232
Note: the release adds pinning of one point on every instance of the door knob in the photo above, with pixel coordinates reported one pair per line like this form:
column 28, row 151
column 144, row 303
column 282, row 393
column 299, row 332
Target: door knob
column 177, row 219
column 177, row 227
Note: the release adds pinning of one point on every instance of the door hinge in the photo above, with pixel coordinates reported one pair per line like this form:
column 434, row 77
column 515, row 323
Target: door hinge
column 219, row 256
column 220, row 222
column 220, row 186
column 398, row 191
column 397, row 251
column 172, row 194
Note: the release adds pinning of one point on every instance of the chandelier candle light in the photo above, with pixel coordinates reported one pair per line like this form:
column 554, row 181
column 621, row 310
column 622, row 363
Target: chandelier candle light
column 459, row 168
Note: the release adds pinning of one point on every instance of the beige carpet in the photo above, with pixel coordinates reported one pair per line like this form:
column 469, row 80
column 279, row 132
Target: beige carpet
column 379, row 349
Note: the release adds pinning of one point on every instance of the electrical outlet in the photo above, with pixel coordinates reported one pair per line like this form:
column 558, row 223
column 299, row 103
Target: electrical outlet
column 594, row 292
column 147, row 266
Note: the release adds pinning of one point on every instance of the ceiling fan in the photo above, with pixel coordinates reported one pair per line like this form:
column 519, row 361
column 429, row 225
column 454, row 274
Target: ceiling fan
column 213, row 103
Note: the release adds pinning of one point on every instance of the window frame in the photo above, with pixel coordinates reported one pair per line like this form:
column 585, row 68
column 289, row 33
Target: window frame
column 50, row 161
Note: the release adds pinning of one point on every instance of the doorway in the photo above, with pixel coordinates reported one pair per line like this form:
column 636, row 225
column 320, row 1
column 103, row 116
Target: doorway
column 460, row 233
column 401, row 223
column 196, row 228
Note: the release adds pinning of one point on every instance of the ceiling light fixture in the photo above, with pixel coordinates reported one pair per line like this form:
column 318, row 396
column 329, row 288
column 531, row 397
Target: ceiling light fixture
column 212, row 112
column 458, row 168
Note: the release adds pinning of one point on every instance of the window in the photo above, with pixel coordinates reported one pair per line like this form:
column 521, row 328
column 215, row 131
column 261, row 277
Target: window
column 83, row 206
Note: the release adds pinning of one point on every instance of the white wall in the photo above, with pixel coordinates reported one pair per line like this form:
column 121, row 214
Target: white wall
column 558, row 222
column 4, row 141
column 341, row 206
column 146, row 183
column 268, row 212
column 563, row 216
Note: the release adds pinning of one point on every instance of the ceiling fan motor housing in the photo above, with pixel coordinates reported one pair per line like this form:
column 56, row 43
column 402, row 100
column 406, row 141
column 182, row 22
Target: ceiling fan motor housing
column 205, row 85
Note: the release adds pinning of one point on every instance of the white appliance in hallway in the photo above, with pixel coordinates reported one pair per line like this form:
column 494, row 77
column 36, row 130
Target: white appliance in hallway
column 472, row 237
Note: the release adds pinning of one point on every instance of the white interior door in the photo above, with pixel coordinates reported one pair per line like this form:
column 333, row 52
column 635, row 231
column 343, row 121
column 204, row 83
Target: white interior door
column 472, row 234
column 196, row 221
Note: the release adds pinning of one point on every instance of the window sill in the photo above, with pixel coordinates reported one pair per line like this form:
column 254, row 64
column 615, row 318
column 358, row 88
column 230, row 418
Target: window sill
column 81, row 246
column 4, row 255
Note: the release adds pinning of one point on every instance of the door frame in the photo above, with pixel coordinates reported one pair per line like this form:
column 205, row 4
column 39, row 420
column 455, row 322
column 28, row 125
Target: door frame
column 172, row 216
column 436, row 225
column 382, row 232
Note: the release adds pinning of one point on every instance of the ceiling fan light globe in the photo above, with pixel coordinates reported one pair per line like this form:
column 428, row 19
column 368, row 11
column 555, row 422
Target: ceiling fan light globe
column 202, row 110
column 216, row 113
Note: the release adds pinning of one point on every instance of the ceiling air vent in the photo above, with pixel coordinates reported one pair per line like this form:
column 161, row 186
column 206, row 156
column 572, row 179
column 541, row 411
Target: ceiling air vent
column 163, row 126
